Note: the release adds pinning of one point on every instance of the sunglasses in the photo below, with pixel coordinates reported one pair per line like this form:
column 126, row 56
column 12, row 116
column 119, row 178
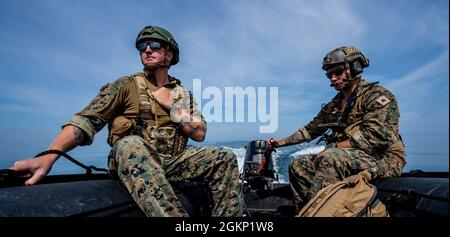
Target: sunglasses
column 154, row 46
column 337, row 72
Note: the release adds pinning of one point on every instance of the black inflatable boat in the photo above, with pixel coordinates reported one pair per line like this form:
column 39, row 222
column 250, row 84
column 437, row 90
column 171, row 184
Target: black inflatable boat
column 416, row 193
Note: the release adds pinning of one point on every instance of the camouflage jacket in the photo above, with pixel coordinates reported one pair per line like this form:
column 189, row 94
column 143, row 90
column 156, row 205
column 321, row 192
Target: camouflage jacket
column 118, row 105
column 371, row 124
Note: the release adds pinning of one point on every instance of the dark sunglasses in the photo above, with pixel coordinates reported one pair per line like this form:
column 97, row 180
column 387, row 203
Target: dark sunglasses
column 337, row 72
column 154, row 46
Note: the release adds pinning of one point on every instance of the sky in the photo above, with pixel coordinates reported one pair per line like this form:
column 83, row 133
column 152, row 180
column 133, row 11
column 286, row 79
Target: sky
column 55, row 56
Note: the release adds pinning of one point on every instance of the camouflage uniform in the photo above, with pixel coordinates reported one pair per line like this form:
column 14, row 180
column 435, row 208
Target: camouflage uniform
column 372, row 128
column 148, row 155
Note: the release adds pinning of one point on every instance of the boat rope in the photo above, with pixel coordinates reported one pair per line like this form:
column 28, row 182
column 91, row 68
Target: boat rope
column 65, row 155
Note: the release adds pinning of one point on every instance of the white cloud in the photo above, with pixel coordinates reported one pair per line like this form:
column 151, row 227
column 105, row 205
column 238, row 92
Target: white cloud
column 421, row 75
column 424, row 90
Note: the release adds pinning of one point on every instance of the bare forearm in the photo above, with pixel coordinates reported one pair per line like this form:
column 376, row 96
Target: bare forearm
column 69, row 138
column 293, row 139
column 191, row 125
column 196, row 130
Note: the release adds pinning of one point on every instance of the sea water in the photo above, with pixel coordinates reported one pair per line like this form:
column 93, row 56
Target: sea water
column 98, row 157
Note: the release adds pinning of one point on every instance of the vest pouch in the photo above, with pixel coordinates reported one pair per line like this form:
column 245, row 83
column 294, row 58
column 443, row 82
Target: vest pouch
column 163, row 138
column 163, row 120
column 120, row 127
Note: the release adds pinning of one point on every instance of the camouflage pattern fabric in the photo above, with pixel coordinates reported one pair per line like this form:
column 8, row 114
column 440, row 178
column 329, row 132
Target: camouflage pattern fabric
column 372, row 123
column 147, row 166
column 117, row 104
column 372, row 127
column 147, row 174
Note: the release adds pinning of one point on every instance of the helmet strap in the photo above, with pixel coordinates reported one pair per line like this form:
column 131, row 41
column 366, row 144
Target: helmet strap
column 157, row 66
column 167, row 62
column 163, row 65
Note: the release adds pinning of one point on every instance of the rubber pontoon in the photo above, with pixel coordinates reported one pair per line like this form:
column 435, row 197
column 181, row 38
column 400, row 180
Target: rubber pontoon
column 415, row 193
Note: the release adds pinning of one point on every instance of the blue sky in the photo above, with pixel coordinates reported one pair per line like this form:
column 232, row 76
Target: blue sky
column 55, row 55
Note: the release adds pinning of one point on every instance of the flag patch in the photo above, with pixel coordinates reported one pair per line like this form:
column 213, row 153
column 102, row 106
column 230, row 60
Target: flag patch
column 382, row 100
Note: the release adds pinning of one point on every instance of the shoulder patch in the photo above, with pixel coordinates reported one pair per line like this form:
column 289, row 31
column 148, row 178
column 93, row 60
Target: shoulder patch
column 383, row 100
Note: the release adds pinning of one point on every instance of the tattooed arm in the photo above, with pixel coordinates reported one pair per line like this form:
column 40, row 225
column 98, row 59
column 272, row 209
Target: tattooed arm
column 188, row 117
column 295, row 138
column 70, row 137
column 195, row 128
column 183, row 112
column 301, row 135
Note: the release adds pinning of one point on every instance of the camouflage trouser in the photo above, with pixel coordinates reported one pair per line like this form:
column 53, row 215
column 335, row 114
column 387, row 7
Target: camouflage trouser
column 146, row 175
column 309, row 174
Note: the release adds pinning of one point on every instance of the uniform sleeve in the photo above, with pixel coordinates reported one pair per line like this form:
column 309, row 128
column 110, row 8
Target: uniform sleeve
column 100, row 110
column 380, row 122
column 183, row 97
column 194, row 110
column 324, row 116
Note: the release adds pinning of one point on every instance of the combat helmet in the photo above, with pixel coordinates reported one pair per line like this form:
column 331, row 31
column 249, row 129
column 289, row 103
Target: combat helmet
column 350, row 56
column 156, row 32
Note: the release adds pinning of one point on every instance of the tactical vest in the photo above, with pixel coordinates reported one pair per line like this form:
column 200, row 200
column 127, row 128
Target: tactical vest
column 154, row 123
column 354, row 123
column 342, row 121
column 349, row 123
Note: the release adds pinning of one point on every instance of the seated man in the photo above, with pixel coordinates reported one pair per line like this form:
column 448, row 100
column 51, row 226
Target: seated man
column 150, row 117
column 363, row 119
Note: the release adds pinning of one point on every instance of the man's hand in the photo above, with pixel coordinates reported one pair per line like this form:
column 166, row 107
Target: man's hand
column 272, row 143
column 163, row 97
column 38, row 167
column 70, row 137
